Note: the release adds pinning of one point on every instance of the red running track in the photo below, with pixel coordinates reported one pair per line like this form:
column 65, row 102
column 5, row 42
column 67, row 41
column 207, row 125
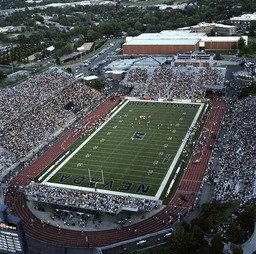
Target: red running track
column 188, row 188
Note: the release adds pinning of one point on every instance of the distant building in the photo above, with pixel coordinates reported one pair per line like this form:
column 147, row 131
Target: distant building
column 68, row 57
column 33, row 1
column 68, row 4
column 244, row 20
column 32, row 58
column 207, row 28
column 85, row 47
column 6, row 29
column 195, row 59
column 171, row 42
column 90, row 79
column 165, row 42
column 219, row 43
column 51, row 48
column 165, row 6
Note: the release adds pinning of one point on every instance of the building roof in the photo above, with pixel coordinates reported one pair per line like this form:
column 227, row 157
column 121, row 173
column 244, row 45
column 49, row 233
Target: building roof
column 174, row 34
column 117, row 72
column 51, row 48
column 204, row 24
column 174, row 37
column 245, row 17
column 164, row 42
column 68, row 4
column 89, row 78
column 221, row 38
column 65, row 57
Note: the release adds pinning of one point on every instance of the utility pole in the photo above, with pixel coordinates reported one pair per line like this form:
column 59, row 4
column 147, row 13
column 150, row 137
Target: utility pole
column 11, row 57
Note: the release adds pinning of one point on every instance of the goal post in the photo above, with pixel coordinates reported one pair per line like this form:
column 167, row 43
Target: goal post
column 93, row 181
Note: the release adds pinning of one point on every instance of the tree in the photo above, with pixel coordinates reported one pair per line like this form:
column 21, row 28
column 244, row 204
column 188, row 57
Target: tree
column 22, row 39
column 39, row 18
column 45, row 52
column 68, row 48
column 31, row 22
column 38, row 55
column 58, row 53
column 218, row 56
column 92, row 35
column 241, row 43
column 233, row 233
column 36, row 38
column 69, row 70
column 237, row 250
column 138, row 26
column 181, row 242
column 251, row 32
column 246, row 219
column 57, row 60
column 2, row 75
column 216, row 244
column 197, row 236
column 212, row 33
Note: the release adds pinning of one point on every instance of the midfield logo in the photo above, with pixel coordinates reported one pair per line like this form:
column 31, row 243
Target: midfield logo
column 138, row 135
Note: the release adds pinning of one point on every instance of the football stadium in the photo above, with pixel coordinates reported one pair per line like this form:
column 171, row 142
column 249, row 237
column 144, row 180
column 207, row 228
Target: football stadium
column 127, row 164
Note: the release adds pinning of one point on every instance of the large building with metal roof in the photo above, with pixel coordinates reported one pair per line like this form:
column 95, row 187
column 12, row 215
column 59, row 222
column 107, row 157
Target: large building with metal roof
column 165, row 42
column 171, row 42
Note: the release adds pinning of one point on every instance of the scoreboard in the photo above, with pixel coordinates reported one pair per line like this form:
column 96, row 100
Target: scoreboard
column 12, row 235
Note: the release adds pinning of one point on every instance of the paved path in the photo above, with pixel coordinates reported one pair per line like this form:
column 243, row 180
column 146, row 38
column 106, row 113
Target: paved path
column 250, row 246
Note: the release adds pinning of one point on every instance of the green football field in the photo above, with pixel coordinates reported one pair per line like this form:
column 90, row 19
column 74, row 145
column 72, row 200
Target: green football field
column 133, row 153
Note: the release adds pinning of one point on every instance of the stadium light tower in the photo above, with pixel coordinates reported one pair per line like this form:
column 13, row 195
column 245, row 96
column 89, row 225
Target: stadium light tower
column 226, row 84
column 80, row 50
column 11, row 56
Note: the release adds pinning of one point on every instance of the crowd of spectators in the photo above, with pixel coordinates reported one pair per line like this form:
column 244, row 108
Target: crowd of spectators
column 6, row 159
column 211, row 77
column 50, row 112
column 175, row 82
column 137, row 75
column 15, row 100
column 87, row 200
column 236, row 179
